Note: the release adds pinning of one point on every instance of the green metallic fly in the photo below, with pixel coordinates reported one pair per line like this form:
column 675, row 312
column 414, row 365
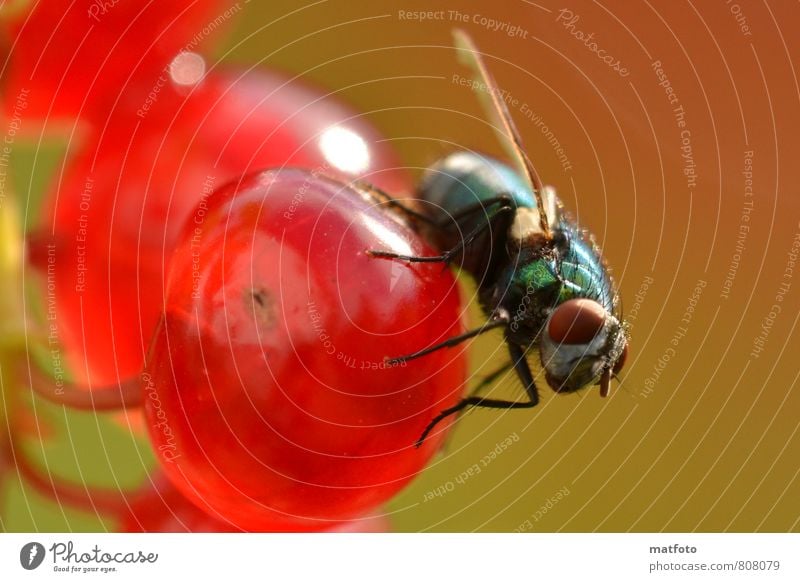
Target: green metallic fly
column 541, row 278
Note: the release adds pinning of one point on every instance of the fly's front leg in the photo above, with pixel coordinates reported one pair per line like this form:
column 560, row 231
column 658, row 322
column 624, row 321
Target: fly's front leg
column 481, row 205
column 395, row 203
column 449, row 343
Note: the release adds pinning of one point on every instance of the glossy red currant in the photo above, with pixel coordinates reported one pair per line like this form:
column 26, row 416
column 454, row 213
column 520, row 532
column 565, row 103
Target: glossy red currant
column 267, row 393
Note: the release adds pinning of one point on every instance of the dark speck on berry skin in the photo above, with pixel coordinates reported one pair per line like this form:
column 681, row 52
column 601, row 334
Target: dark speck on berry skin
column 262, row 305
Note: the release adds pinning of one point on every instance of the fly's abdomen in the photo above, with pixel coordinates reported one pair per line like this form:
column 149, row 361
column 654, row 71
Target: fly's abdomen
column 457, row 183
column 464, row 178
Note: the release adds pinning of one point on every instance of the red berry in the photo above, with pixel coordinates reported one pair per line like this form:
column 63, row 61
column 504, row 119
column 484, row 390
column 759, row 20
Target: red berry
column 267, row 393
column 117, row 212
column 75, row 57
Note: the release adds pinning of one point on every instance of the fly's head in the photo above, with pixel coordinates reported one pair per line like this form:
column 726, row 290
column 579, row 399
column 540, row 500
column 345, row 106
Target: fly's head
column 582, row 344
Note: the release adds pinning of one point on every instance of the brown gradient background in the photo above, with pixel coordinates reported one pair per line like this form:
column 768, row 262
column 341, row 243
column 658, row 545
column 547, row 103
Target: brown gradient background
column 714, row 446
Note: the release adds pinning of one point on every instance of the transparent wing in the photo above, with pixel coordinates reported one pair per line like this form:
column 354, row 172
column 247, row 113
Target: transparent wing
column 501, row 121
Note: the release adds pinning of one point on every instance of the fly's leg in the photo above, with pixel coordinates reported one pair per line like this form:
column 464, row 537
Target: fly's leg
column 520, row 365
column 467, row 211
column 449, row 343
column 395, row 203
column 445, row 257
column 504, row 199
column 523, row 371
column 491, row 378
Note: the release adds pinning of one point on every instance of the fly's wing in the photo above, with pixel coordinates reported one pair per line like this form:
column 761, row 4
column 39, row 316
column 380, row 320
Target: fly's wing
column 501, row 121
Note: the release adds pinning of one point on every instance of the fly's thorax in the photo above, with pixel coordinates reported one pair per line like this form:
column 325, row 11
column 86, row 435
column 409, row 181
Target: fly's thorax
column 526, row 291
column 581, row 269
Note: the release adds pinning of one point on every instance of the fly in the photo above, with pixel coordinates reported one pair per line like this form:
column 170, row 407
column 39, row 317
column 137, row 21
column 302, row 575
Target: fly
column 540, row 278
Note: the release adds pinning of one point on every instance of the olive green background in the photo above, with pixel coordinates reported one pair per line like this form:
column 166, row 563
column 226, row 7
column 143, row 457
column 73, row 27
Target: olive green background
column 711, row 442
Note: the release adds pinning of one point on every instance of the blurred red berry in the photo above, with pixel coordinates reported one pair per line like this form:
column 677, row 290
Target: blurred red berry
column 267, row 393
column 115, row 215
column 74, row 58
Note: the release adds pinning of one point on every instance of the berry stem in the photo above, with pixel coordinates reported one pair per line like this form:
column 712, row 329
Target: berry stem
column 125, row 395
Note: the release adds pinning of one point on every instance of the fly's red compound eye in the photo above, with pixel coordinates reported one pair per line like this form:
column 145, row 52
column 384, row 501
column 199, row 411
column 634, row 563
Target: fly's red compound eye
column 576, row 322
